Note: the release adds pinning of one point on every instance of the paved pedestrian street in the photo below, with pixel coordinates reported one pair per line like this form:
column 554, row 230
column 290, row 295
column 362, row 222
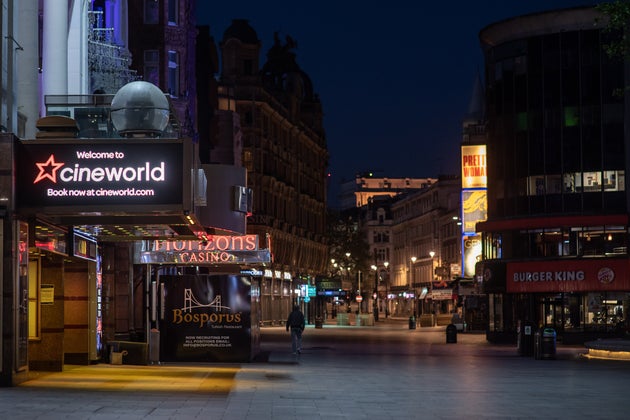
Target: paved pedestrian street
column 382, row 372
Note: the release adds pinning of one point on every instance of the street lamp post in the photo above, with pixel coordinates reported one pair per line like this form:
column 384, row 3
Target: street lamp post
column 386, row 264
column 375, row 294
column 359, row 295
column 412, row 286
column 431, row 254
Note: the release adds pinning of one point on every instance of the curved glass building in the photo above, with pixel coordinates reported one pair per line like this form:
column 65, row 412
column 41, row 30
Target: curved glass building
column 555, row 241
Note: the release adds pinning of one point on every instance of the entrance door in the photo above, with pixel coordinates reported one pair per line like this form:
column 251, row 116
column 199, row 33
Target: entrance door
column 553, row 311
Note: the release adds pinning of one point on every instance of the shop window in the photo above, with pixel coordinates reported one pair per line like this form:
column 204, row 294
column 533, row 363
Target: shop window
column 495, row 312
column 34, row 318
column 554, row 184
column 592, row 181
column 613, row 181
column 607, row 311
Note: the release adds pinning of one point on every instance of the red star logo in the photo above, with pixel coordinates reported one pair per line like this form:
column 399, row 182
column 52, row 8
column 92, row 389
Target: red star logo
column 48, row 170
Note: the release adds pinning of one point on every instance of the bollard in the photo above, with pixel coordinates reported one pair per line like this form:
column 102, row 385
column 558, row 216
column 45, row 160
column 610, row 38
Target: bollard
column 412, row 322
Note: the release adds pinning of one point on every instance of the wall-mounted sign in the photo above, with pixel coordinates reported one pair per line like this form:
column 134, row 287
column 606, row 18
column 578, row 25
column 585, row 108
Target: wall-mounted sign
column 83, row 247
column 47, row 294
column 213, row 243
column 217, row 249
column 610, row 274
column 474, row 209
column 102, row 175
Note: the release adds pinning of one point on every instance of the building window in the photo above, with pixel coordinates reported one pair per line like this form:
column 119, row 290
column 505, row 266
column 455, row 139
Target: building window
column 151, row 67
column 173, row 11
column 571, row 116
column 173, row 73
column 151, row 12
column 248, row 67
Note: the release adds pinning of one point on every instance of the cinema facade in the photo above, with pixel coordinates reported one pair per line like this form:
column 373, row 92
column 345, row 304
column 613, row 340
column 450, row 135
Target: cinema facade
column 555, row 243
column 122, row 231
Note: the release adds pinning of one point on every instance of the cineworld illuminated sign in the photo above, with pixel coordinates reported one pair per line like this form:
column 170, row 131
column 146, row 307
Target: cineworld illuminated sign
column 63, row 173
column 216, row 250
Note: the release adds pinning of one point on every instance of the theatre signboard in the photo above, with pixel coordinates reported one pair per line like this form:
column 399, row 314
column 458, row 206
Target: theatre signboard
column 217, row 249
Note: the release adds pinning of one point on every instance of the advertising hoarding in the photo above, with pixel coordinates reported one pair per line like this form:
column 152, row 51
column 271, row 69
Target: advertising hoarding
column 474, row 209
column 474, row 173
column 207, row 318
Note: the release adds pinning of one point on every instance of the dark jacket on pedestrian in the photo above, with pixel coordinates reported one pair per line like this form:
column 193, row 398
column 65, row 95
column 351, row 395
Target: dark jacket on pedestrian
column 296, row 319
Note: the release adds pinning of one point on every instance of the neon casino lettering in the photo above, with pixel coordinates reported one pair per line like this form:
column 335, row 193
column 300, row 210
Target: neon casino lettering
column 199, row 257
column 214, row 243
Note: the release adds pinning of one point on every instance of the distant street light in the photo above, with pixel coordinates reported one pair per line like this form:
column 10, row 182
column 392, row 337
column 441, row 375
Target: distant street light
column 412, row 287
column 386, row 264
column 431, row 254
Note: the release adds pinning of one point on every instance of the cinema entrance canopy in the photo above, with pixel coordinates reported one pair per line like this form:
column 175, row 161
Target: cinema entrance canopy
column 125, row 189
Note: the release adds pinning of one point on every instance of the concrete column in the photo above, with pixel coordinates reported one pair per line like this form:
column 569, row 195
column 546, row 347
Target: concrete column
column 78, row 76
column 55, row 48
column 27, row 65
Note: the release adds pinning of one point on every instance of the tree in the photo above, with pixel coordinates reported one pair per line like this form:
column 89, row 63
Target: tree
column 344, row 238
column 616, row 22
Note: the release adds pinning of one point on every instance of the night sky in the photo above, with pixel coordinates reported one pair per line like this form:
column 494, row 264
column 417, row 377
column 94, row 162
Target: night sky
column 395, row 82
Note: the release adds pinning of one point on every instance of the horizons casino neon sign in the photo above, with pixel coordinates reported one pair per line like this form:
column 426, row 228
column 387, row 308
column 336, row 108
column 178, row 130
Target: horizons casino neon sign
column 217, row 249
column 149, row 173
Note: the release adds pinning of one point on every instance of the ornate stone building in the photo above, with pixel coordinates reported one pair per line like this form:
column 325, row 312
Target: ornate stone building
column 284, row 151
column 162, row 45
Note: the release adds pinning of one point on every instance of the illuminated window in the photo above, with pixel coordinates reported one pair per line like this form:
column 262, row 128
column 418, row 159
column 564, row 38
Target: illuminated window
column 173, row 73
column 173, row 12
column 34, row 325
column 571, row 116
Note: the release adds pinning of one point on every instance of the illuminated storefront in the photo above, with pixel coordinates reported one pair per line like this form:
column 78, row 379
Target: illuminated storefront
column 555, row 244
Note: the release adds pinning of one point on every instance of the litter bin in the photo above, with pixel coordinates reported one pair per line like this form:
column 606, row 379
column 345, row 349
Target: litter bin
column 412, row 322
column 319, row 322
column 451, row 333
column 548, row 344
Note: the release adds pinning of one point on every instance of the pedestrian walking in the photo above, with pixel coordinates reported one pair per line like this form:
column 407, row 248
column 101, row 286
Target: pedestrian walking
column 296, row 322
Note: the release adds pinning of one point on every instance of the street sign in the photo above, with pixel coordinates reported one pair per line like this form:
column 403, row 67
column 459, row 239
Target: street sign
column 359, row 298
